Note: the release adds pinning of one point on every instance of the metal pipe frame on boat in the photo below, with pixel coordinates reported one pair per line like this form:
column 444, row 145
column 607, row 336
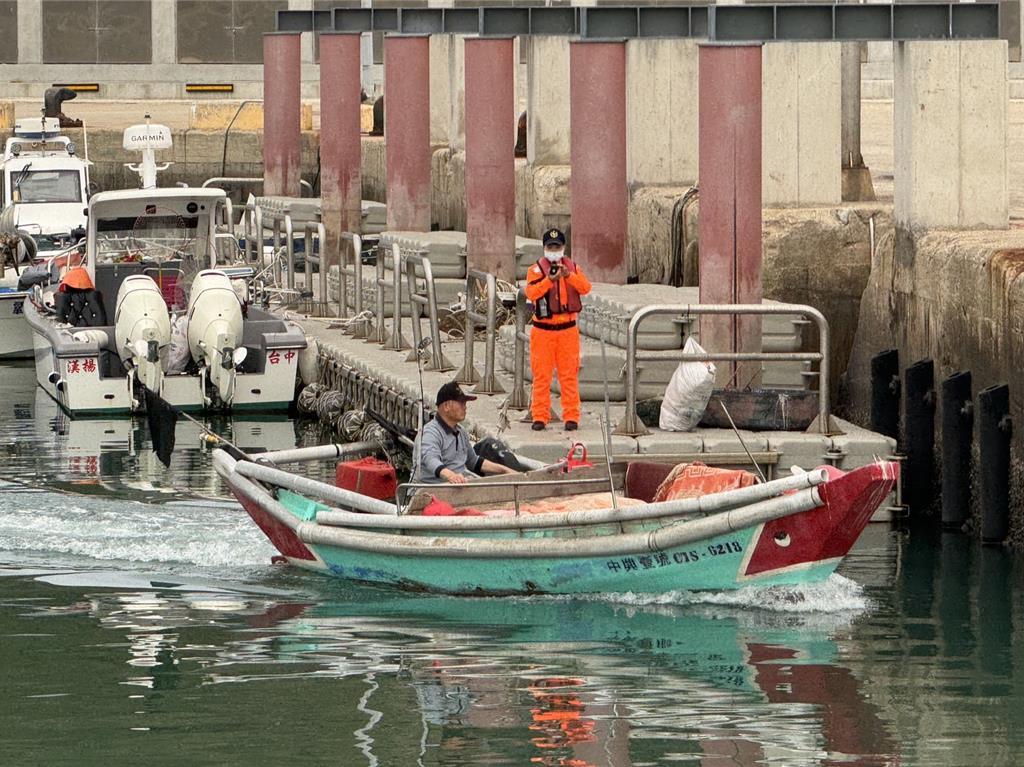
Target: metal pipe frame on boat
column 318, row 453
column 707, row 504
column 675, row 534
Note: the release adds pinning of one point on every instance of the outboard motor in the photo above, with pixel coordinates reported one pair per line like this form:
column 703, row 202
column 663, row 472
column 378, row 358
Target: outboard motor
column 215, row 330
column 142, row 327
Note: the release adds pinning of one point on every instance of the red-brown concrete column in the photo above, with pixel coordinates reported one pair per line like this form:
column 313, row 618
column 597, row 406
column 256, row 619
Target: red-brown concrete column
column 282, row 136
column 340, row 148
column 600, row 198
column 407, row 131
column 730, row 195
column 490, row 164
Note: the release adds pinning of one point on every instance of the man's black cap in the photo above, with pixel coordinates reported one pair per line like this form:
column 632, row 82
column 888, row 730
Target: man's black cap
column 554, row 237
column 451, row 392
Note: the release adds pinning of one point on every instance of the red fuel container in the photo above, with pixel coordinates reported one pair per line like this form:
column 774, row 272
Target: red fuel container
column 368, row 476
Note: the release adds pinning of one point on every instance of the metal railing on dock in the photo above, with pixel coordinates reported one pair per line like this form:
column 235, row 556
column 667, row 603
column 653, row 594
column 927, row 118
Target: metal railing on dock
column 519, row 400
column 631, row 426
column 407, row 263
column 353, row 271
column 468, row 375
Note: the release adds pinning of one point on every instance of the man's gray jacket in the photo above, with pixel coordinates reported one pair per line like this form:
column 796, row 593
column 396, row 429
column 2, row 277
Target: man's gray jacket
column 442, row 447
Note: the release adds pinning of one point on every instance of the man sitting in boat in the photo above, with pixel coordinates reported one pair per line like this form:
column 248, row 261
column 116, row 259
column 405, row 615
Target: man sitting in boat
column 445, row 452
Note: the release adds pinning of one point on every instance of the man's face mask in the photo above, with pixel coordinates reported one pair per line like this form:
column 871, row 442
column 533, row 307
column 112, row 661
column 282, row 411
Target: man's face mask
column 554, row 255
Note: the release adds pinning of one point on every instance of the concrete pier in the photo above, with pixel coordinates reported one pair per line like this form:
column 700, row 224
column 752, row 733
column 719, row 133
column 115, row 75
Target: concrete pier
column 340, row 146
column 661, row 111
column 547, row 100
column 490, row 165
column 282, row 162
column 950, row 135
column 407, row 131
column 802, row 124
column 599, row 194
column 730, row 221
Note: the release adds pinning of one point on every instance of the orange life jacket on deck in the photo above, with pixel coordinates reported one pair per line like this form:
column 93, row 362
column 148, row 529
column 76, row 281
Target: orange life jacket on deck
column 570, row 302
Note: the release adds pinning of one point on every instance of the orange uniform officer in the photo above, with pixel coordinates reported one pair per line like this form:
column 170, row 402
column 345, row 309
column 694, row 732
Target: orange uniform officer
column 554, row 285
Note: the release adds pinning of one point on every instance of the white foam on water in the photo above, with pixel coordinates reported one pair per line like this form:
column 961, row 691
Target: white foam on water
column 109, row 529
column 835, row 595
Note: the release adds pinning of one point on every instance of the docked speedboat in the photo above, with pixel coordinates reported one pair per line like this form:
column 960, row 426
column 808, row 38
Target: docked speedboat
column 152, row 309
column 44, row 191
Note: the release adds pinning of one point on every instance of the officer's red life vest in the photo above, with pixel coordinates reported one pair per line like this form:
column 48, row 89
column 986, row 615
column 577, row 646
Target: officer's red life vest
column 573, row 302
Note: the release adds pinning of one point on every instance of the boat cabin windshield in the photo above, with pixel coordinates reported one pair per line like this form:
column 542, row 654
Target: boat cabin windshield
column 153, row 237
column 34, row 186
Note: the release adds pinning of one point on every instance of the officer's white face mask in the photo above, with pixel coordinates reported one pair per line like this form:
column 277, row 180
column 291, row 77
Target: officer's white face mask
column 554, row 255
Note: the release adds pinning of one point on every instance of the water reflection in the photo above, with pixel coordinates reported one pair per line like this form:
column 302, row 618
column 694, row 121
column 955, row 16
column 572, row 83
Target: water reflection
column 44, row 446
column 437, row 680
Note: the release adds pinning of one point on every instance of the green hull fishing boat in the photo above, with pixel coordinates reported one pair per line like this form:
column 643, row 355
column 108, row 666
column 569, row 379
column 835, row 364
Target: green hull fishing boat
column 553, row 531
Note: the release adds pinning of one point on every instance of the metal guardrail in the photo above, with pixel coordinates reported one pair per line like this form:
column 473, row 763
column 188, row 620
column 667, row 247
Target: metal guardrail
column 519, row 400
column 407, row 263
column 223, row 181
column 468, row 375
column 396, row 341
column 355, row 272
column 631, row 426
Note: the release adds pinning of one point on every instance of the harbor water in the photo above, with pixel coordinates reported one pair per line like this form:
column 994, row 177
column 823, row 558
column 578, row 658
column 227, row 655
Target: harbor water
column 142, row 621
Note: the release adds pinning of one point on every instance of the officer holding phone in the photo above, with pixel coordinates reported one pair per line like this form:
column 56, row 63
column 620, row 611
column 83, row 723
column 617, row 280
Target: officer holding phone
column 555, row 286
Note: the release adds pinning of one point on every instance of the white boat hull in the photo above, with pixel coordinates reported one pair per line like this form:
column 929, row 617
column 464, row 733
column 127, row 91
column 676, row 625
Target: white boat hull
column 15, row 334
column 72, row 373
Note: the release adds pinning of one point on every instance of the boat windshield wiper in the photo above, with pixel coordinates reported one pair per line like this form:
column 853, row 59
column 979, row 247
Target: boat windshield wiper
column 22, row 175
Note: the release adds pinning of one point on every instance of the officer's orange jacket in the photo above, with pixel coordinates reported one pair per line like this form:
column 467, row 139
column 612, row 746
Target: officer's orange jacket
column 537, row 285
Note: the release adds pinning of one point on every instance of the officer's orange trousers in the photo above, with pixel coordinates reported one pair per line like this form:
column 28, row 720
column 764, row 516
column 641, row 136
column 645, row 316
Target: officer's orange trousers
column 551, row 349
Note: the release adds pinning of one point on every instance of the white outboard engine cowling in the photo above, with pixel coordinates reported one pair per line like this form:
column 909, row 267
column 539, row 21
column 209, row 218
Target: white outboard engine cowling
column 142, row 328
column 215, row 330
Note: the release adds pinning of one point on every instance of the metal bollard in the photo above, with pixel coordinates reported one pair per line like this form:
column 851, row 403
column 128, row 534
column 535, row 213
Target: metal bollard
column 885, row 393
column 919, row 434
column 957, row 436
column 995, row 428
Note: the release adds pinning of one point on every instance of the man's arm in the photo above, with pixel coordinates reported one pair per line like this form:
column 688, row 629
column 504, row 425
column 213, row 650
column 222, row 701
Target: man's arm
column 579, row 281
column 430, row 452
column 490, row 467
column 537, row 284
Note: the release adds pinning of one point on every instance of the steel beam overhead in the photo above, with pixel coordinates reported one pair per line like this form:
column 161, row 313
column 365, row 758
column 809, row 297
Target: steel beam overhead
column 305, row 21
column 725, row 23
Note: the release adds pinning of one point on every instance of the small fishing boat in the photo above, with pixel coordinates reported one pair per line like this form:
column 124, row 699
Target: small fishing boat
column 649, row 527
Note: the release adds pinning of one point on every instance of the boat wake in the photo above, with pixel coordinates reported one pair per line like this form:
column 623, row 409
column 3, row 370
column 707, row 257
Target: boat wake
column 117, row 530
column 835, row 595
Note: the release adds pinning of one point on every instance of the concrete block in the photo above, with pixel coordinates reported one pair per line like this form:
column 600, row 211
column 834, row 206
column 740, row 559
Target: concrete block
column 547, row 104
column 802, row 124
column 671, row 442
column 797, row 448
column 858, row 447
column 661, row 111
column 726, row 441
column 446, row 251
column 950, row 135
